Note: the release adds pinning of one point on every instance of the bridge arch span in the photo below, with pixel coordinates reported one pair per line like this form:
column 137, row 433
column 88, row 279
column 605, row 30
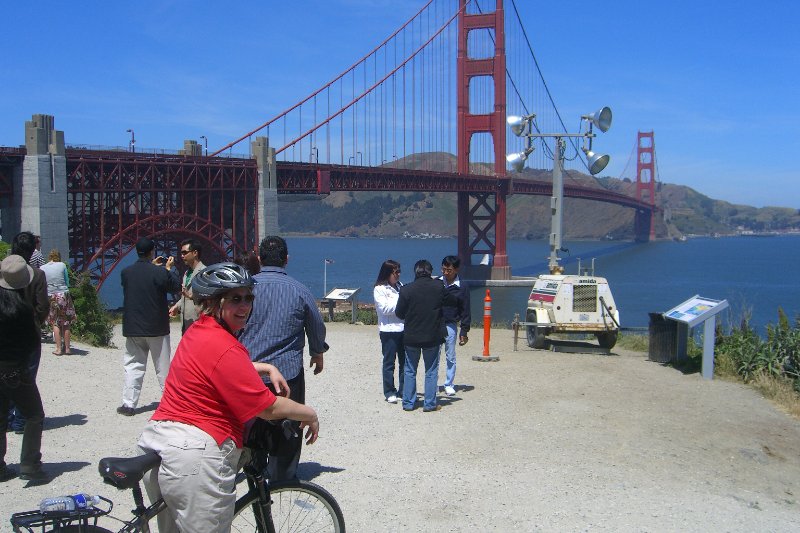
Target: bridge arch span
column 167, row 231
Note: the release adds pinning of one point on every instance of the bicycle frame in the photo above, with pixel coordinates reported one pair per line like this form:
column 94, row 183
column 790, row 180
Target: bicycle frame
column 255, row 483
column 261, row 507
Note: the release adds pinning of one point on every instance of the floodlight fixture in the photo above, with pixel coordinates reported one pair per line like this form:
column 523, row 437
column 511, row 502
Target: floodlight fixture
column 600, row 118
column 517, row 161
column 520, row 125
column 595, row 162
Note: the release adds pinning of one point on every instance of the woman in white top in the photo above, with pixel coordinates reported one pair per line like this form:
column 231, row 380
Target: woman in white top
column 390, row 328
column 62, row 310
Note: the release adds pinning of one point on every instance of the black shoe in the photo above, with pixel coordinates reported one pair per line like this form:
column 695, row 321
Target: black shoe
column 432, row 409
column 126, row 411
column 36, row 475
column 7, row 473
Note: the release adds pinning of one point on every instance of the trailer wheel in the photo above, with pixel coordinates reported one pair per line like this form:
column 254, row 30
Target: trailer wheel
column 535, row 334
column 607, row 339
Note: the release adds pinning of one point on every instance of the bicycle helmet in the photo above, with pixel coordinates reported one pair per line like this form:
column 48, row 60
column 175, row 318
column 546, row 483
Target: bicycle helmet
column 219, row 279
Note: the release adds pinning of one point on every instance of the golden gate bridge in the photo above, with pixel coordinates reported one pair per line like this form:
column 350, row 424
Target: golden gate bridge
column 443, row 83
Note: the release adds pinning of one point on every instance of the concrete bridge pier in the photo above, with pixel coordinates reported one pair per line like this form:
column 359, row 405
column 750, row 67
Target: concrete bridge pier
column 267, row 188
column 39, row 200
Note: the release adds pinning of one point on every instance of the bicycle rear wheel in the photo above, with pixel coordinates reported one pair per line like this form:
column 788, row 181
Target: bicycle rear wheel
column 297, row 506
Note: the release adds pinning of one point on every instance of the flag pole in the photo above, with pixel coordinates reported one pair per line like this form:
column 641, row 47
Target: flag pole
column 325, row 278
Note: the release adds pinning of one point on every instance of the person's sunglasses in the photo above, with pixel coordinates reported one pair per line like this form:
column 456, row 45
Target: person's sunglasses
column 184, row 252
column 397, row 272
column 237, row 299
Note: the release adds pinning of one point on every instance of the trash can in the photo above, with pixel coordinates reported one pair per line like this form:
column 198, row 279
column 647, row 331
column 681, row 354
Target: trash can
column 663, row 339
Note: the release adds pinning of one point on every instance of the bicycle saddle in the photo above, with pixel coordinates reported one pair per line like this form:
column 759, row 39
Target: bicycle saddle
column 127, row 472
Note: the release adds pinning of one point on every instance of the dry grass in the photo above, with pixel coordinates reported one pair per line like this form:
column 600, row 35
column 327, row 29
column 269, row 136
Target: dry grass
column 779, row 391
column 634, row 342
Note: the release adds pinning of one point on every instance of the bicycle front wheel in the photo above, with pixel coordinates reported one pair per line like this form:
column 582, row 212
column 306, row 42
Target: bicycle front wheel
column 297, row 506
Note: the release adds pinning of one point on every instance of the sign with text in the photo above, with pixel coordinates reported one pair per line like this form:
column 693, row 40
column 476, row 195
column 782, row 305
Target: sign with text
column 696, row 310
column 342, row 294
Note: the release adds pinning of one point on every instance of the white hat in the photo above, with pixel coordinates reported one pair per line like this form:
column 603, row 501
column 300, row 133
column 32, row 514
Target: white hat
column 16, row 273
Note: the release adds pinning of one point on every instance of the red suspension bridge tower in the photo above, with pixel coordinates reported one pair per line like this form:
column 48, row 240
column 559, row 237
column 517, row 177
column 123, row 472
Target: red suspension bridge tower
column 644, row 223
column 475, row 211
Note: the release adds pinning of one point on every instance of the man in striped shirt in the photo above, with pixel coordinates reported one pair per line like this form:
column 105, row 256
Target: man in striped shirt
column 284, row 314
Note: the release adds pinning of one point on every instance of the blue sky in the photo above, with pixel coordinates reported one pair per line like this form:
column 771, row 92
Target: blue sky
column 716, row 81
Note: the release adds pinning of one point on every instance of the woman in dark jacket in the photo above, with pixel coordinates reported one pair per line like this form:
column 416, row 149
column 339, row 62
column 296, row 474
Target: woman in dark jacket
column 20, row 336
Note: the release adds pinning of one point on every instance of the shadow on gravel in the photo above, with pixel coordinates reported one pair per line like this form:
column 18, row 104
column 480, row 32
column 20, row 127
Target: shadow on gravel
column 56, row 469
column 309, row 471
column 57, row 422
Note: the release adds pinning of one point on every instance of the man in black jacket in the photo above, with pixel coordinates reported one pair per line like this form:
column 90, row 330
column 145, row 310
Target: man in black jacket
column 420, row 305
column 145, row 320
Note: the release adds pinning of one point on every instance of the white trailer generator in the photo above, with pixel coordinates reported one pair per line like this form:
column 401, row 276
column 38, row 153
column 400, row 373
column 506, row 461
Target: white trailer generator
column 561, row 303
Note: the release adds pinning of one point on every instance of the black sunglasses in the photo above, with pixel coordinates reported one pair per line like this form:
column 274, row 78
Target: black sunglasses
column 184, row 252
column 236, row 299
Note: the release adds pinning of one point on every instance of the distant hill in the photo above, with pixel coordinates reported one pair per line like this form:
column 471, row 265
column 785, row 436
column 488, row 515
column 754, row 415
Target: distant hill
column 372, row 214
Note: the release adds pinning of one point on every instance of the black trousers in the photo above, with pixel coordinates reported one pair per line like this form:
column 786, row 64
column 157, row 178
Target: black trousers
column 285, row 456
column 19, row 386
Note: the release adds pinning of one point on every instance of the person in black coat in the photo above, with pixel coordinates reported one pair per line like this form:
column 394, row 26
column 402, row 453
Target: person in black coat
column 17, row 382
column 420, row 304
column 145, row 320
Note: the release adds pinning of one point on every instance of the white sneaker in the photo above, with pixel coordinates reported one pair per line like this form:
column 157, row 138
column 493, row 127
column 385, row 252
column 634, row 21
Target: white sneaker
column 450, row 391
column 392, row 399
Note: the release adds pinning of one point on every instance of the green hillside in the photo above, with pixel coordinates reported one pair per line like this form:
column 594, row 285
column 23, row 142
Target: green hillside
column 370, row 214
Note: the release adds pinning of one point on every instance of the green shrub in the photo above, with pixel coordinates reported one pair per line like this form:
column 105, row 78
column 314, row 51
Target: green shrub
column 5, row 248
column 92, row 324
column 365, row 316
column 747, row 355
column 742, row 348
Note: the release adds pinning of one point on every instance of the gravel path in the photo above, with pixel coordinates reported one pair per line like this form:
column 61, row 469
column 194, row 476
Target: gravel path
column 538, row 441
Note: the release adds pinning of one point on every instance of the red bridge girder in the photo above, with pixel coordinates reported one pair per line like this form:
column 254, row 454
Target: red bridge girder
column 114, row 198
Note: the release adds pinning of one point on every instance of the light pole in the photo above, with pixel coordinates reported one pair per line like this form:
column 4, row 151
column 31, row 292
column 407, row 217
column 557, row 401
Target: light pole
column 205, row 143
column 522, row 127
column 325, row 276
column 132, row 142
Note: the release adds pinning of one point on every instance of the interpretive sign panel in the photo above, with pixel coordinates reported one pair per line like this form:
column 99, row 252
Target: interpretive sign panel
column 342, row 294
column 696, row 310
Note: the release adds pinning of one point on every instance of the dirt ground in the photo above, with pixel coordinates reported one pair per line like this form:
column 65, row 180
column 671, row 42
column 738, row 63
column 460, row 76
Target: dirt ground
column 538, row 441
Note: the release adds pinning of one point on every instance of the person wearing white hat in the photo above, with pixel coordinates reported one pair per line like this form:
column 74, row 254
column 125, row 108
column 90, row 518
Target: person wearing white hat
column 20, row 336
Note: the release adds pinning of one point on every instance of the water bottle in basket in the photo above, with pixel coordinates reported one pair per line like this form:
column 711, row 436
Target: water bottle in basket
column 65, row 504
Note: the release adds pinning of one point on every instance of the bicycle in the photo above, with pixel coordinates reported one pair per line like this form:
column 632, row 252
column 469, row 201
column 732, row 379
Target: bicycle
column 290, row 506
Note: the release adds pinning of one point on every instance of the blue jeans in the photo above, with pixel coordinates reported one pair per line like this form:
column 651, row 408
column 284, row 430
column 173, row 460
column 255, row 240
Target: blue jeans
column 450, row 353
column 431, row 358
column 392, row 347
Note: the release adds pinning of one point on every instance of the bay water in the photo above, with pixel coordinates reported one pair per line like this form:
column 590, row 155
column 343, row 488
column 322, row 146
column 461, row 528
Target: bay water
column 755, row 274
